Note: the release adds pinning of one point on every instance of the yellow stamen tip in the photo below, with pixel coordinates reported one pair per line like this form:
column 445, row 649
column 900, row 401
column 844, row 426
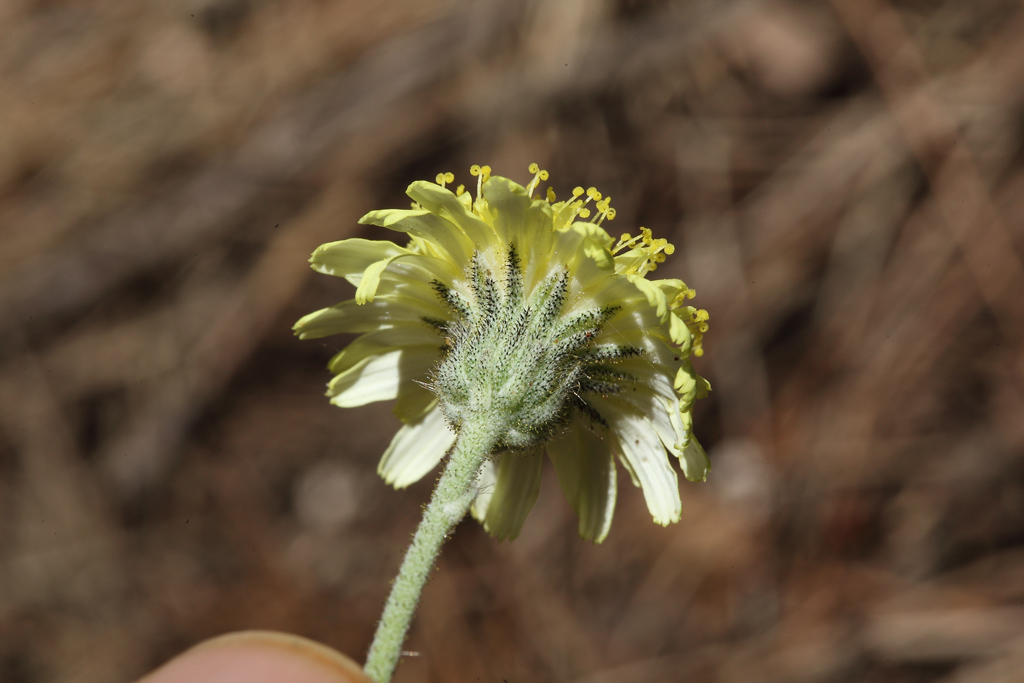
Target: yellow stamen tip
column 577, row 191
column 534, row 168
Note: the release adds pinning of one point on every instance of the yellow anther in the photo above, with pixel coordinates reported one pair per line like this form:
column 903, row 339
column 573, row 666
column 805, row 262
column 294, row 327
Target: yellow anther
column 690, row 293
column 624, row 242
column 482, row 173
column 603, row 207
column 460, row 190
column 551, row 195
column 584, row 213
column 577, row 191
column 439, row 178
column 610, row 214
column 670, row 249
column 449, row 177
column 591, row 191
column 538, row 175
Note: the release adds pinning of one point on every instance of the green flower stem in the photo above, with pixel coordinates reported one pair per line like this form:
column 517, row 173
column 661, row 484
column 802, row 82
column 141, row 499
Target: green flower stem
column 455, row 493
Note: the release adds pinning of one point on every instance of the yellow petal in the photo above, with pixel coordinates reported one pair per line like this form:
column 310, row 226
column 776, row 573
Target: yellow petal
column 516, row 488
column 416, row 449
column 441, row 234
column 377, row 378
column 349, row 258
column 586, row 473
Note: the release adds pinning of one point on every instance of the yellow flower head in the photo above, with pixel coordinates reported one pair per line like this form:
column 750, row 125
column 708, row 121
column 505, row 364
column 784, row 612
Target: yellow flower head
column 526, row 311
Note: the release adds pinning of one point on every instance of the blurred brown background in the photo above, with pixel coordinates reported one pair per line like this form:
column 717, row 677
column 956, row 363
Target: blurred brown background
column 844, row 182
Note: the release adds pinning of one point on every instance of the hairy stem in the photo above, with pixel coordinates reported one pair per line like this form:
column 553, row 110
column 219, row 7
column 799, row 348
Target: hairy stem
column 452, row 498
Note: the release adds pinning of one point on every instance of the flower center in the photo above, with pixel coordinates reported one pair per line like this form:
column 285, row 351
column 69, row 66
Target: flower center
column 513, row 358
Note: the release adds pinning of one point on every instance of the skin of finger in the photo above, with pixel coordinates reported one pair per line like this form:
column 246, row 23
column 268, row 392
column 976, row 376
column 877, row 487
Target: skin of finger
column 259, row 657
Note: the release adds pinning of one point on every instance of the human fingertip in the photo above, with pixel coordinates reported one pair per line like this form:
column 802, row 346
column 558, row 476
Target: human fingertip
column 259, row 657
